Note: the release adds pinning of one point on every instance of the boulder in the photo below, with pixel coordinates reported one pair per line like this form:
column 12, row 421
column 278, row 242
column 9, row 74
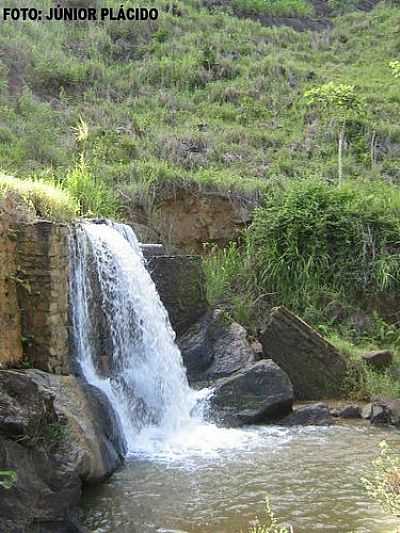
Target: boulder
column 262, row 392
column 383, row 412
column 348, row 411
column 316, row 369
column 379, row 360
column 309, row 415
column 55, row 434
column 215, row 347
column 181, row 284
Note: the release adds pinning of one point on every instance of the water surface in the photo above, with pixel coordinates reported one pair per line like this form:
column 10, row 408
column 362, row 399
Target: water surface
column 207, row 480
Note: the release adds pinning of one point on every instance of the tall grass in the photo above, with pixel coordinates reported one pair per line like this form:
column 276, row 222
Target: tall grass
column 312, row 246
column 314, row 240
column 95, row 199
column 46, row 200
column 282, row 8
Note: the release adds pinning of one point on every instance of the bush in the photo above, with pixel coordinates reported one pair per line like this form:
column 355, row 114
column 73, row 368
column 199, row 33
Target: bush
column 314, row 240
column 48, row 201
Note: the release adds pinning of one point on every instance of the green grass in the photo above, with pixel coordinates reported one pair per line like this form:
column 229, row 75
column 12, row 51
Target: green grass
column 45, row 200
column 204, row 97
column 279, row 8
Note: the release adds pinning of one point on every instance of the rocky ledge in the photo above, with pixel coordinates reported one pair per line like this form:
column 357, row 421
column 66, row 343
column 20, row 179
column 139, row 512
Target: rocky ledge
column 56, row 435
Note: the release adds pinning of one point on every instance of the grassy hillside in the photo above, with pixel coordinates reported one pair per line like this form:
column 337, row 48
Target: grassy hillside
column 201, row 94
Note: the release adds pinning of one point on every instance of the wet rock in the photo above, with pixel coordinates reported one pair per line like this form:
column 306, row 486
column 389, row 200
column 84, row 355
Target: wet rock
column 259, row 393
column 55, row 436
column 309, row 415
column 348, row 411
column 379, row 360
column 215, row 347
column 316, row 369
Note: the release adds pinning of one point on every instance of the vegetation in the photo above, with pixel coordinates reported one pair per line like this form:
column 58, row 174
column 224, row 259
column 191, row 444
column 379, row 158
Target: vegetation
column 322, row 250
column 8, row 479
column 337, row 103
column 198, row 96
column 383, row 484
column 45, row 200
column 279, row 8
column 213, row 99
column 269, row 523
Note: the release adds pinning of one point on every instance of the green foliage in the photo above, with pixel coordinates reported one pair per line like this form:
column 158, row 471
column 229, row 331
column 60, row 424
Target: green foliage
column 204, row 97
column 47, row 200
column 95, row 199
column 221, row 267
column 316, row 247
column 383, row 484
column 314, row 239
column 8, row 478
column 338, row 100
column 282, row 8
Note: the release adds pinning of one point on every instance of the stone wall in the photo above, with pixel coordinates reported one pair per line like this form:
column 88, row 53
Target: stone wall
column 43, row 294
column 34, row 321
column 10, row 325
column 181, row 284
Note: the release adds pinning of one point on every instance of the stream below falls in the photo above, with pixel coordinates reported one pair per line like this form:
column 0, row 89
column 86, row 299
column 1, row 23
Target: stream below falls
column 211, row 480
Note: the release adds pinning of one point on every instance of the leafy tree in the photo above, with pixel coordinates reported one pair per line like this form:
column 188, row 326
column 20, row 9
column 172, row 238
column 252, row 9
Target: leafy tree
column 340, row 103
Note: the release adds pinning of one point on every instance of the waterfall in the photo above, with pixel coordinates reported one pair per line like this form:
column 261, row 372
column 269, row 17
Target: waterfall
column 123, row 340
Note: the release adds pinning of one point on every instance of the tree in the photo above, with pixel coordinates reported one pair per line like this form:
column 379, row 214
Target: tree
column 338, row 102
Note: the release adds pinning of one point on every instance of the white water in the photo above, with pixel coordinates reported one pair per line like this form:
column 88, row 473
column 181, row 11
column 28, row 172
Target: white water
column 158, row 411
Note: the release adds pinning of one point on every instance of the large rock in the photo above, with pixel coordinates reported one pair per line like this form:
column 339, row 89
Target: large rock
column 378, row 360
column 309, row 415
column 383, row 412
column 180, row 282
column 215, row 347
column 259, row 393
column 347, row 411
column 55, row 436
column 315, row 367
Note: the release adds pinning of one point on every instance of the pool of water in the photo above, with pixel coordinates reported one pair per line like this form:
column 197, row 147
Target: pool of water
column 216, row 481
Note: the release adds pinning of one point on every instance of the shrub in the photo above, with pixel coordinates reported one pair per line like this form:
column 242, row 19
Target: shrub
column 383, row 484
column 314, row 239
column 47, row 200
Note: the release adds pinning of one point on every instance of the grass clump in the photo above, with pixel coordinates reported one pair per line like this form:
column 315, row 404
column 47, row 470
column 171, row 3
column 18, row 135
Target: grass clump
column 47, row 200
column 314, row 239
column 278, row 8
column 93, row 196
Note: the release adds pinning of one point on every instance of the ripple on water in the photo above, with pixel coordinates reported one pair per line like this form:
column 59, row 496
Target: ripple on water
column 213, row 480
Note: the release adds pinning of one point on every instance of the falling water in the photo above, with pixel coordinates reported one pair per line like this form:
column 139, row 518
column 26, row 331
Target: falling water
column 144, row 380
